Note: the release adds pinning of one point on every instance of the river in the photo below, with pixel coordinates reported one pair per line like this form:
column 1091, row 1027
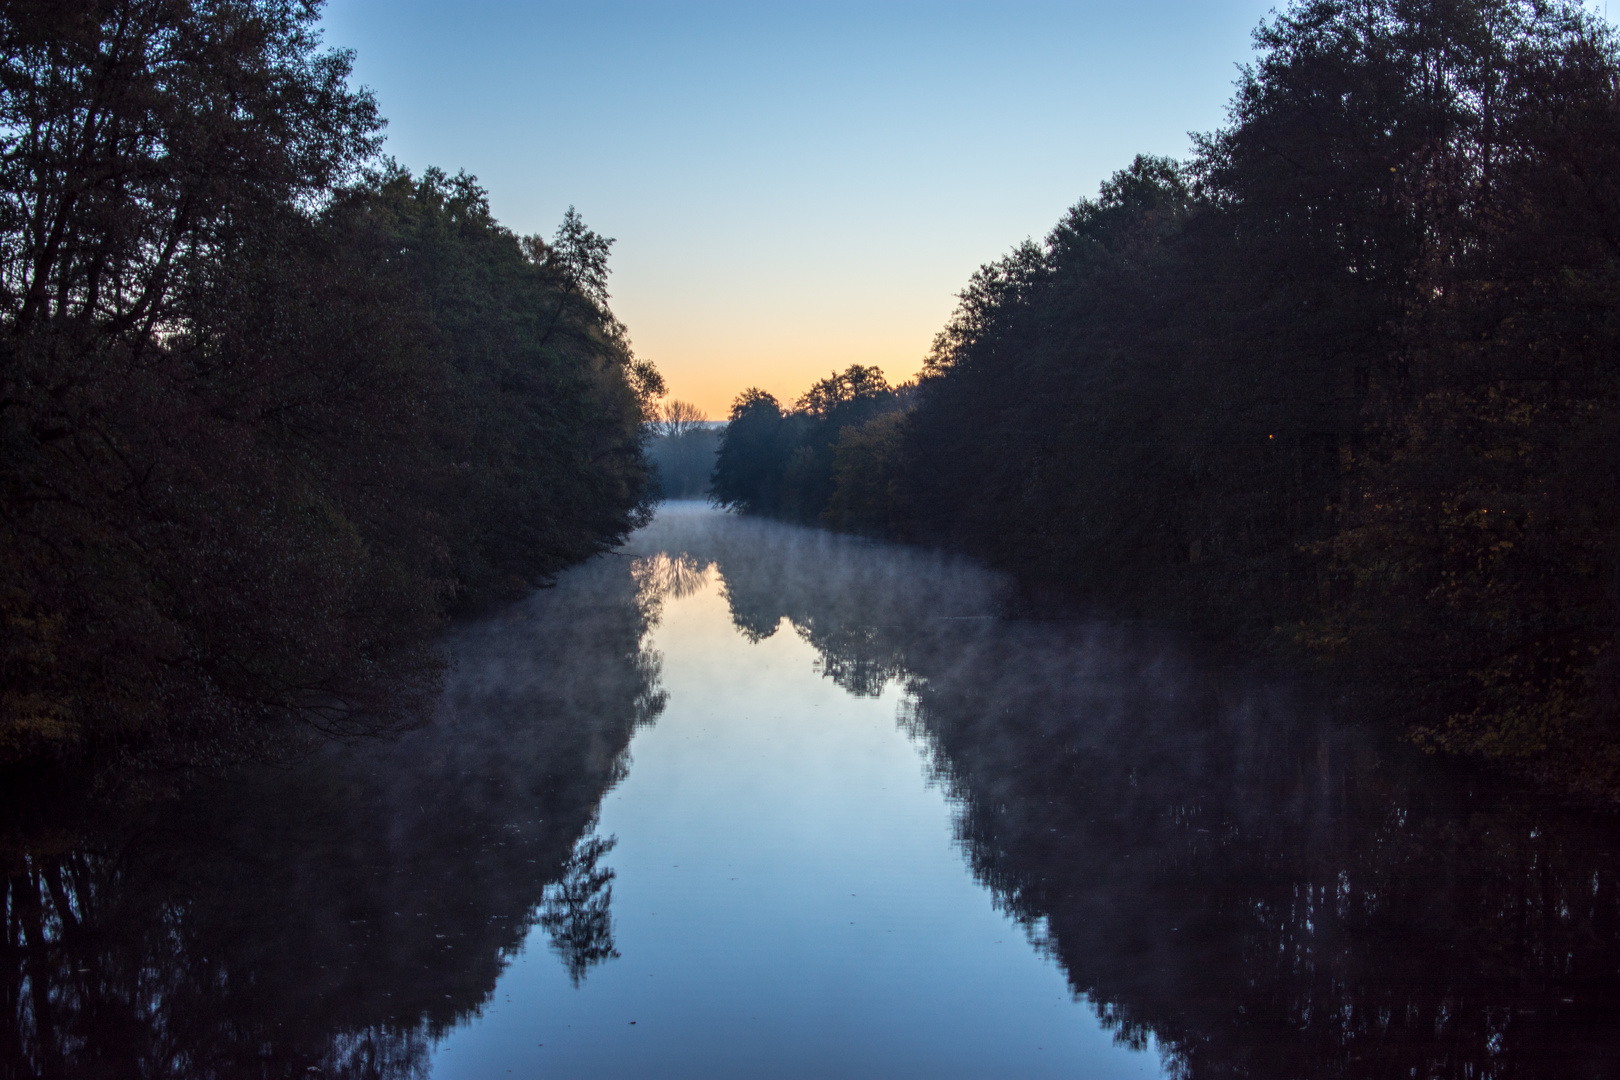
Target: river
column 750, row 800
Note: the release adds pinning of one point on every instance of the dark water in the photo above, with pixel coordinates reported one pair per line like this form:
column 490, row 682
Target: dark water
column 752, row 801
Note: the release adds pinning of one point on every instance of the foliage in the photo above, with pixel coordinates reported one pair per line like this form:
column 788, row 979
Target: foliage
column 1344, row 381
column 537, row 432
column 782, row 463
column 266, row 416
column 868, row 476
column 1212, row 861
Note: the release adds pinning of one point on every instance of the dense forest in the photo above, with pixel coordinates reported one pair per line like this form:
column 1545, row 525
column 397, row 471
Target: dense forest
column 271, row 407
column 1343, row 382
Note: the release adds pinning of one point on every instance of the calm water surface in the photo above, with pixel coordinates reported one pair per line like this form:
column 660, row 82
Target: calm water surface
column 747, row 800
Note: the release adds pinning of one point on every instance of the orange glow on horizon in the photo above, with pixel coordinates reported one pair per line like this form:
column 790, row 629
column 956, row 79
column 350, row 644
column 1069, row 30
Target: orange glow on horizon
column 713, row 383
column 709, row 361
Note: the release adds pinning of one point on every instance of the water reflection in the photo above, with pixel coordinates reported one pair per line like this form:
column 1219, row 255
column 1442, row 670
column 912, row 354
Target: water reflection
column 578, row 909
column 1216, row 867
column 336, row 918
column 1209, row 858
column 1266, row 894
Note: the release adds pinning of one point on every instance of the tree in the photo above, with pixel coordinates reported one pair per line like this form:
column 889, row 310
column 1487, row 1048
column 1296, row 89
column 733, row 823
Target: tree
column 142, row 140
column 146, row 149
column 581, row 257
column 870, row 477
column 782, row 463
column 267, row 411
column 683, row 447
column 537, row 432
column 856, row 385
column 753, row 452
column 680, row 418
column 1344, row 381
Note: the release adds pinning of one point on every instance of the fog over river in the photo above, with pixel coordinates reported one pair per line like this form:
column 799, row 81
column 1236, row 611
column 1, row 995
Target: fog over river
column 750, row 800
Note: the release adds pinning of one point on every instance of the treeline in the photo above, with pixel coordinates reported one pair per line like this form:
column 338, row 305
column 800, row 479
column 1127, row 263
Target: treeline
column 1345, row 380
column 799, row 463
column 270, row 408
column 682, row 450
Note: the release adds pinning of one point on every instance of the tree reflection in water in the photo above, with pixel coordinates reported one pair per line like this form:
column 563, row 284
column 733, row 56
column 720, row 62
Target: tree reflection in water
column 1209, row 857
column 577, row 911
column 1210, row 861
column 337, row 917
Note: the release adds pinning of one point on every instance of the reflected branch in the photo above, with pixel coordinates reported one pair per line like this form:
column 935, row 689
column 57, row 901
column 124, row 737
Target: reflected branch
column 576, row 912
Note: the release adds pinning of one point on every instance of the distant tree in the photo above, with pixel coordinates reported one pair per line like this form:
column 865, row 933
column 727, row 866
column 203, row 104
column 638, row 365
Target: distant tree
column 683, row 447
column 681, row 417
column 871, row 477
column 782, row 464
column 857, row 384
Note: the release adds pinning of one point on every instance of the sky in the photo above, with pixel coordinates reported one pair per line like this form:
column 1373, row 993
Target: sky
column 793, row 188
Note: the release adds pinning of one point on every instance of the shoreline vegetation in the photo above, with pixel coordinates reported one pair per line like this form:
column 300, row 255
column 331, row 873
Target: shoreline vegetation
column 272, row 408
column 1342, row 385
column 681, row 448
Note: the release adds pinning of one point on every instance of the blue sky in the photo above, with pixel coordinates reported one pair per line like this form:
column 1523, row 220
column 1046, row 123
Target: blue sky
column 793, row 187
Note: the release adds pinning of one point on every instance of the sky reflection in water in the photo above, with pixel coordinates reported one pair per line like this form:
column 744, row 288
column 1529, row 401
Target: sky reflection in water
column 795, row 806
column 790, row 899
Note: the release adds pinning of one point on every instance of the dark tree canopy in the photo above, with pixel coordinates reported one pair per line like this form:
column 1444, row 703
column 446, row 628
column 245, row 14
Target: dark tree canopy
column 1345, row 381
column 783, row 463
column 268, row 410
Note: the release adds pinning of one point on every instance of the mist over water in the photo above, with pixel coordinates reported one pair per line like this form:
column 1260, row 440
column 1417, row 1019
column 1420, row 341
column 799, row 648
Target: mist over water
column 747, row 799
column 790, row 898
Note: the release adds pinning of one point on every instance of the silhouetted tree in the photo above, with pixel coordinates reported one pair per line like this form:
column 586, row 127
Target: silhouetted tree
column 1343, row 382
column 265, row 417
column 782, row 464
